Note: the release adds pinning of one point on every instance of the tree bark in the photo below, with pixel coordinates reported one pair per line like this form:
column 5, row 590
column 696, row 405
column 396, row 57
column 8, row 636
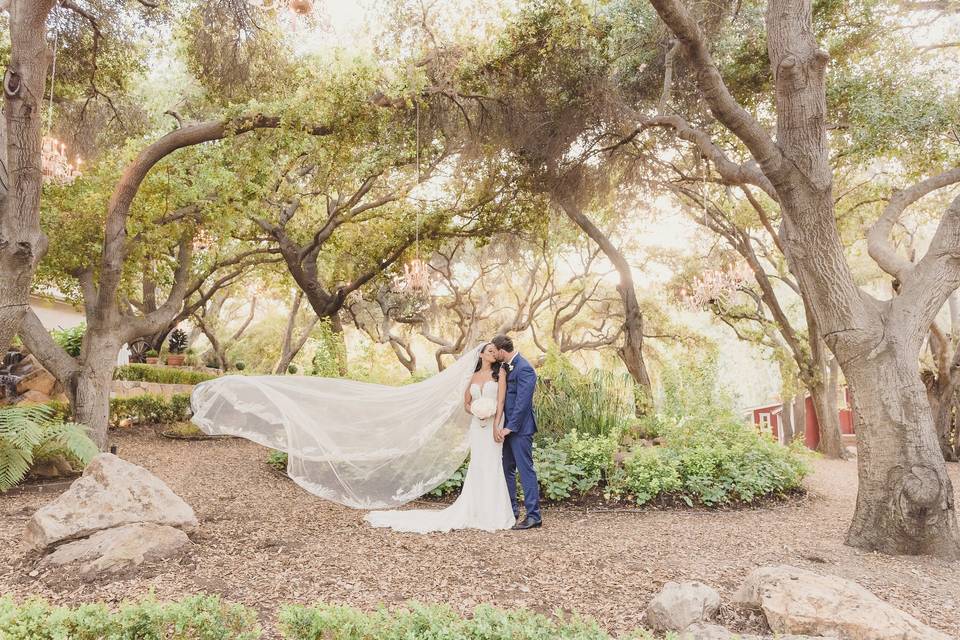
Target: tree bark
column 631, row 352
column 905, row 501
column 786, row 420
column 22, row 243
column 800, row 416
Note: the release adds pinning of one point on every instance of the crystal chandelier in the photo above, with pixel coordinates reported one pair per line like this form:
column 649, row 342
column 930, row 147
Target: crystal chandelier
column 416, row 277
column 716, row 286
column 55, row 164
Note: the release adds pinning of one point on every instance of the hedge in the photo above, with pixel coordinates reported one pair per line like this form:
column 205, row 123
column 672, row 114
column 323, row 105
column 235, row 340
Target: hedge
column 207, row 617
column 147, row 408
column 163, row 375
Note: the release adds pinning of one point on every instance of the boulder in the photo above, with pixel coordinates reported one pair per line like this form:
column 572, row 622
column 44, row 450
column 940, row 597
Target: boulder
column 39, row 380
column 32, row 396
column 802, row 602
column 680, row 604
column 111, row 492
column 701, row 631
column 119, row 549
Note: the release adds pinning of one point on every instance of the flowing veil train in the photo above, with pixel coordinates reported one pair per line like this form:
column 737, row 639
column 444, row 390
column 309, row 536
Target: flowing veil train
column 366, row 446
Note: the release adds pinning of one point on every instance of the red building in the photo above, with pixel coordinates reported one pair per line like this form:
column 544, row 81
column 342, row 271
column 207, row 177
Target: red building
column 766, row 418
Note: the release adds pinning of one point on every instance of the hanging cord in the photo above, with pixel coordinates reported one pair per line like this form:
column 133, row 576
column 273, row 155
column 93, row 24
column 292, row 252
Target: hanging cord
column 417, row 237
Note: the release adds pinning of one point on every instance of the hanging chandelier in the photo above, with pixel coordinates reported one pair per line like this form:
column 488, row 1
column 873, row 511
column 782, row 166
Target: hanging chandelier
column 55, row 164
column 715, row 286
column 417, row 280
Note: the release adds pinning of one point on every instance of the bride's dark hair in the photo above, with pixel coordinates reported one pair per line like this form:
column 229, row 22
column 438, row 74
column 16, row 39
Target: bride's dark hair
column 494, row 367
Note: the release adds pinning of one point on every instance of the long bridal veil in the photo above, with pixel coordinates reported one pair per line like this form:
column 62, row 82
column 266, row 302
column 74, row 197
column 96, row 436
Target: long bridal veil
column 363, row 445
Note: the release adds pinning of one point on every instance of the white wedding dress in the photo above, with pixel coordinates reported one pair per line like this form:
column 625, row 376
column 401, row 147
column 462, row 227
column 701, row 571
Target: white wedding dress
column 483, row 503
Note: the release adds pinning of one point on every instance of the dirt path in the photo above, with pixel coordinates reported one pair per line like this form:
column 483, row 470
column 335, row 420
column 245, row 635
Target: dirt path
column 263, row 541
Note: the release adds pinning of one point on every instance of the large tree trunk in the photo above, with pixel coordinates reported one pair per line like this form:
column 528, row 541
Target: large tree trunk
column 22, row 243
column 824, row 396
column 89, row 394
column 800, row 416
column 905, row 502
column 786, row 420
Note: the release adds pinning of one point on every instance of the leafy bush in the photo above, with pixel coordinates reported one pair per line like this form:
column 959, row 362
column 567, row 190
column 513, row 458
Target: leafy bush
column 594, row 455
column 330, row 357
column 240, row 366
column 150, row 408
column 162, row 375
column 70, row 339
column 453, row 483
column 277, row 460
column 292, row 368
column 200, row 617
column 152, row 353
column 558, row 477
column 713, row 462
column 177, row 341
column 338, row 622
column 599, row 403
column 33, row 433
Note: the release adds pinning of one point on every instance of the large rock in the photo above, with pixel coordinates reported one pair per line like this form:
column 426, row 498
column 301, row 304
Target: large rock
column 111, row 492
column 39, row 380
column 802, row 602
column 119, row 549
column 702, row 631
column 678, row 605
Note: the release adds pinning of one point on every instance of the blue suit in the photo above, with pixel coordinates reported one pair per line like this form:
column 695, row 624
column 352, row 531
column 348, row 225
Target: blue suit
column 518, row 446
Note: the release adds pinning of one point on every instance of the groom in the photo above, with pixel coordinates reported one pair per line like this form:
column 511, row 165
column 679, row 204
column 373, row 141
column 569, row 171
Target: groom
column 517, row 432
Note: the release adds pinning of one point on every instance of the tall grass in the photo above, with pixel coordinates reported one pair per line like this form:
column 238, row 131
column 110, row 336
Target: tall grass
column 598, row 403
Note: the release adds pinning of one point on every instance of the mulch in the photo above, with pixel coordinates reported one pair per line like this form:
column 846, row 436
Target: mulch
column 263, row 541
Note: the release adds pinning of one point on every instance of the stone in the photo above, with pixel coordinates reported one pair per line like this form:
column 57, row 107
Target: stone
column 39, row 380
column 701, row 631
column 797, row 601
column 32, row 396
column 678, row 605
column 111, row 492
column 119, row 549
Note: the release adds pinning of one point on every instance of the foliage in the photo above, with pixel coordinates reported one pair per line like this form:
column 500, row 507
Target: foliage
column 292, row 368
column 599, row 403
column 278, row 460
column 557, row 475
column 240, row 366
column 162, row 375
column 29, row 434
column 416, row 620
column 178, row 341
column 330, row 356
column 152, row 353
column 199, row 617
column 70, row 339
column 150, row 408
column 453, row 483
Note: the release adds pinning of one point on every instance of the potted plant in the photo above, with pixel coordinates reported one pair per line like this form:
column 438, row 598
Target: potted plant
column 178, row 344
column 153, row 357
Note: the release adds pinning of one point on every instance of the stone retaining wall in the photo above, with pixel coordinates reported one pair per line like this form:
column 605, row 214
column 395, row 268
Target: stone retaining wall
column 128, row 388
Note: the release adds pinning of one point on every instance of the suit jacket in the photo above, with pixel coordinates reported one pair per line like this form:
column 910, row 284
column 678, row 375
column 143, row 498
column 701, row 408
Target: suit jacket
column 518, row 405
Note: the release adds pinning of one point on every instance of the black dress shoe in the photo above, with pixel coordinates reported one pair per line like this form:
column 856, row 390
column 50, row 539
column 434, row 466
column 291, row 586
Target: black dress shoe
column 527, row 523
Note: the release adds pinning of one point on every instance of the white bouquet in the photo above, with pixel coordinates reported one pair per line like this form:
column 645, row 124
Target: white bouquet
column 483, row 408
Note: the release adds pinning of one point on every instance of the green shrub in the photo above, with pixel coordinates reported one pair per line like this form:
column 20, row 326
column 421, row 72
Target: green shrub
column 595, row 455
column 453, row 483
column 70, row 339
column 33, row 433
column 240, row 366
column 713, row 462
column 200, row 617
column 150, row 408
column 162, row 375
column 558, row 476
column 292, row 368
column 599, row 403
column 152, row 353
column 278, row 460
column 438, row 622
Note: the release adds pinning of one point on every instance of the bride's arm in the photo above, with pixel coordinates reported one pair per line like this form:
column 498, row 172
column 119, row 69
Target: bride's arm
column 467, row 398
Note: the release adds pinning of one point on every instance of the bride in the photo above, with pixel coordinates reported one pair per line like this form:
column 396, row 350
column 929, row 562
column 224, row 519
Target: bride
column 484, row 502
column 371, row 446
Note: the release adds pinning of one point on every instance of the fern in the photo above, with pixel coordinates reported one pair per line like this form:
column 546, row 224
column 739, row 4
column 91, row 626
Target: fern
column 34, row 432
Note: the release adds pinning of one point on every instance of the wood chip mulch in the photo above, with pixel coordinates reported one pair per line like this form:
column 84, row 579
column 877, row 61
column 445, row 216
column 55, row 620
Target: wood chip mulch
column 263, row 542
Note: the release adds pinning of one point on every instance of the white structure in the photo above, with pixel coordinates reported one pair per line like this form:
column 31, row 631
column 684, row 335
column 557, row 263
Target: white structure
column 55, row 312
